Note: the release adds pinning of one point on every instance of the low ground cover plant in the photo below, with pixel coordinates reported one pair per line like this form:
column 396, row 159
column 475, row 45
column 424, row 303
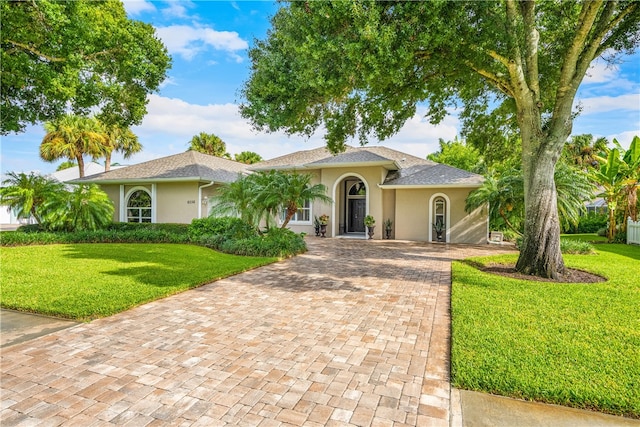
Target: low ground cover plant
column 571, row 344
column 87, row 281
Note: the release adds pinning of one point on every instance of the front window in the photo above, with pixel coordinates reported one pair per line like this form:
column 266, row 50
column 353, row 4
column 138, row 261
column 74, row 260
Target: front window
column 139, row 207
column 302, row 215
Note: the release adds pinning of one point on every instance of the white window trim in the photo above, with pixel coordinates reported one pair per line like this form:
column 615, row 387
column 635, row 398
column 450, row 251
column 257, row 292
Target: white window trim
column 447, row 209
column 295, row 222
column 124, row 214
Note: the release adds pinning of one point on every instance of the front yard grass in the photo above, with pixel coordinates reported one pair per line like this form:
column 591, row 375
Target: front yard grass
column 87, row 281
column 571, row 344
column 585, row 237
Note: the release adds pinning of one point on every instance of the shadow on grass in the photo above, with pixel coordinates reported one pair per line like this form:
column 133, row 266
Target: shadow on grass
column 630, row 251
column 166, row 265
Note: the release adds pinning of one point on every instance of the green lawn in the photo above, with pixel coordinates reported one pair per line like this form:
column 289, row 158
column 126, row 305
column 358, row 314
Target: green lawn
column 571, row 344
column 592, row 238
column 87, row 281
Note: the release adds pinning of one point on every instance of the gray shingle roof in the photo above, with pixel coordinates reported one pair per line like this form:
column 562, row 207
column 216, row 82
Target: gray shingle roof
column 433, row 175
column 320, row 157
column 188, row 166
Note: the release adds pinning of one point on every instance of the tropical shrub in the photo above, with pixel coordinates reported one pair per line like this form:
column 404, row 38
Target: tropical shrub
column 228, row 227
column 568, row 246
column 591, row 223
column 85, row 207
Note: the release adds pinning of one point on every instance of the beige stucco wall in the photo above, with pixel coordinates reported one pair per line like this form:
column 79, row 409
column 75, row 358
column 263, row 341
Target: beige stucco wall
column 413, row 220
column 113, row 191
column 176, row 202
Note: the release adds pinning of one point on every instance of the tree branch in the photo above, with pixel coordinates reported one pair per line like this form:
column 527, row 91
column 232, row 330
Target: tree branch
column 612, row 25
column 34, row 51
column 500, row 83
column 532, row 38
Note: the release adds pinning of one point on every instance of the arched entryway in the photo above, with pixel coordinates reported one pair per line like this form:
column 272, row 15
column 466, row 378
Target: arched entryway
column 351, row 205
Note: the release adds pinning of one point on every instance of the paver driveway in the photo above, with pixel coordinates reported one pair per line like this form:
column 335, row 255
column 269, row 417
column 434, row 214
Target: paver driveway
column 353, row 332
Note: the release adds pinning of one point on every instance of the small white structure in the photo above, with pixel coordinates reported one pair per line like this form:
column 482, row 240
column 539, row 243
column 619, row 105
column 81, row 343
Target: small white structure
column 633, row 232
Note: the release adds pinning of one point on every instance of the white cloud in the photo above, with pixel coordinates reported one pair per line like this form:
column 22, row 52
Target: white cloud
column 601, row 104
column 135, row 7
column 176, row 9
column 169, row 81
column 172, row 121
column 601, row 72
column 188, row 41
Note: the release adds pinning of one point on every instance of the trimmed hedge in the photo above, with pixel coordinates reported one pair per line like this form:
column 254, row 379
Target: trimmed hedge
column 229, row 235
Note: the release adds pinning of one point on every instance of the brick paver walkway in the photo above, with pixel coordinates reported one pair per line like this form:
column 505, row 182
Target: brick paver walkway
column 351, row 333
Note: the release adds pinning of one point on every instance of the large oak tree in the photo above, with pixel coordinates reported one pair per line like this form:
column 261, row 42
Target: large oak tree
column 82, row 56
column 361, row 68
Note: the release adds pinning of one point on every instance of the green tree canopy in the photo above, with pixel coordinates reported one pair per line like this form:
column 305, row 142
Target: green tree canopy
column 360, row 68
column 459, row 155
column 85, row 55
column 247, row 157
column 209, row 143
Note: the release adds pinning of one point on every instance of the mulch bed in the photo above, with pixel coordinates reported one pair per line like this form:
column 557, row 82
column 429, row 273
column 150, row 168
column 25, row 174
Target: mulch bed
column 571, row 276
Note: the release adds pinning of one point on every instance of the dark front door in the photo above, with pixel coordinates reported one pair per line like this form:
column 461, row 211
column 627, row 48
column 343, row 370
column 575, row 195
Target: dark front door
column 357, row 208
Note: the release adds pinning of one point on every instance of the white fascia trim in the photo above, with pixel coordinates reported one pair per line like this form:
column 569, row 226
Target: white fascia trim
column 399, row 187
column 135, row 181
column 351, row 165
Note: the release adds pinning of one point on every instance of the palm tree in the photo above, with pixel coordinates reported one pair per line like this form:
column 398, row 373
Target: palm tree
column 503, row 191
column 247, row 157
column 582, row 151
column 85, row 207
column 28, row 193
column 119, row 139
column 574, row 188
column 209, row 144
column 290, row 191
column 237, row 198
column 72, row 137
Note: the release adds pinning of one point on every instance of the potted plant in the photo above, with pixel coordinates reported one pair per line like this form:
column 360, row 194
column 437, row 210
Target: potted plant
column 316, row 225
column 323, row 220
column 387, row 227
column 370, row 222
column 439, row 227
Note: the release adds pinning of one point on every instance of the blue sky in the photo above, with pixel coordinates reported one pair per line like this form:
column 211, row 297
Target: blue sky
column 208, row 41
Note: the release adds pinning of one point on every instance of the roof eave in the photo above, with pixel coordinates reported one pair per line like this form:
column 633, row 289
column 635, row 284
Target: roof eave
column 391, row 163
column 412, row 186
column 144, row 180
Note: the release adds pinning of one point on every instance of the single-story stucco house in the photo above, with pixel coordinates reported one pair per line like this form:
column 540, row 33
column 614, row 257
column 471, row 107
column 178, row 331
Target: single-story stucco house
column 413, row 193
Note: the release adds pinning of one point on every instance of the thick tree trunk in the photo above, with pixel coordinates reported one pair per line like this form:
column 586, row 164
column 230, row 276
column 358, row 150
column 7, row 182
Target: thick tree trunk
column 540, row 253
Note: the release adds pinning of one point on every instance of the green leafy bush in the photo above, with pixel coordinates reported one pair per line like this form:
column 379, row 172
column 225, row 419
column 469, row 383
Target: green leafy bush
column 134, row 226
column 276, row 242
column 230, row 227
column 141, row 235
column 591, row 223
column 620, row 237
column 602, row 232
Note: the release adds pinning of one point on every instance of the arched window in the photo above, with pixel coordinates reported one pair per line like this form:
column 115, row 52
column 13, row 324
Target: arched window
column 139, row 206
column 358, row 189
